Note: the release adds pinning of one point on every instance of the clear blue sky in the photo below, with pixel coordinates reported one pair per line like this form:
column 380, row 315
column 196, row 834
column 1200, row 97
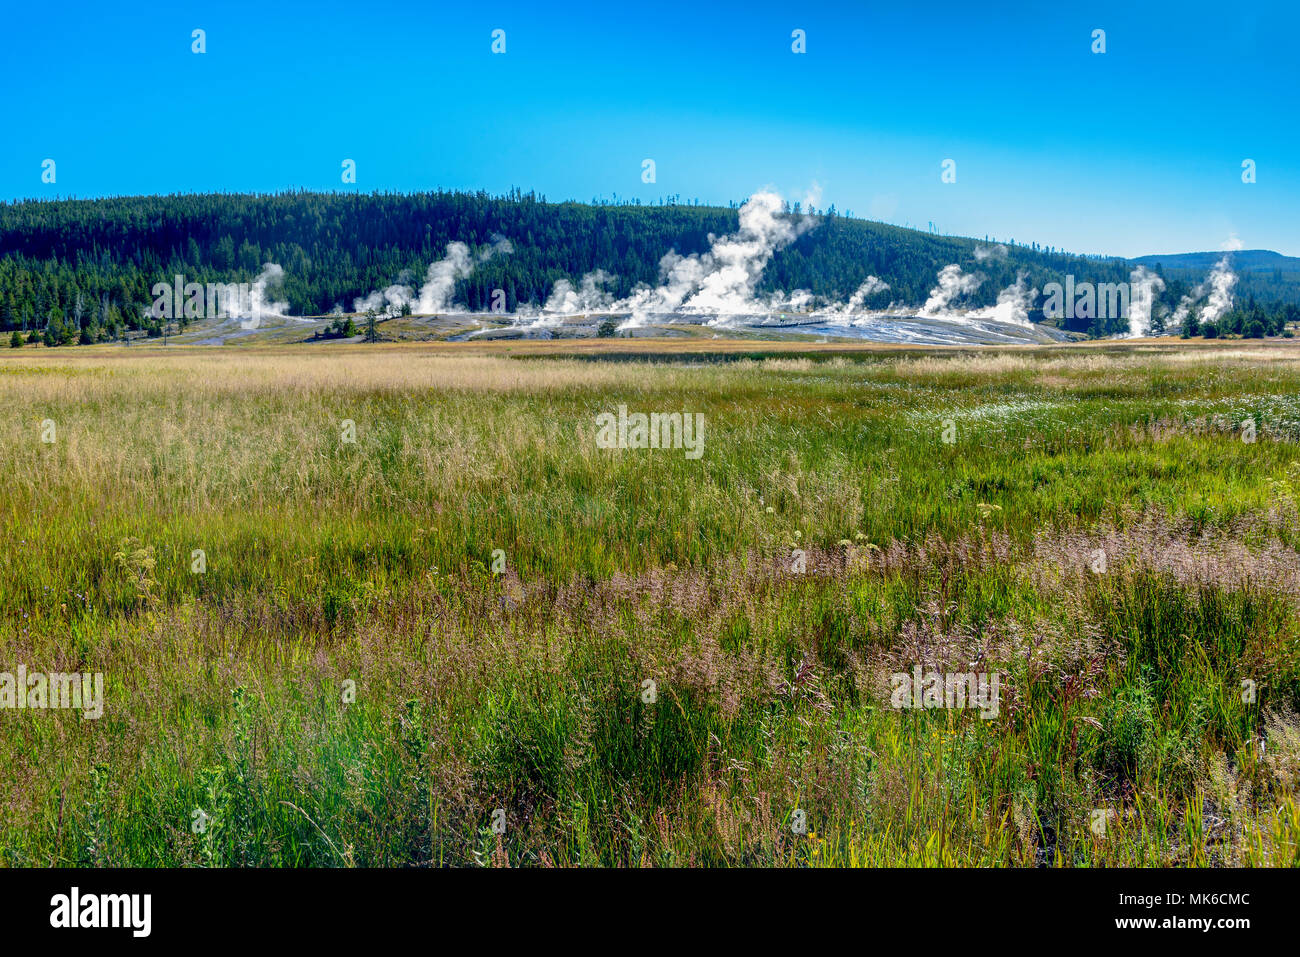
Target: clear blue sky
column 1137, row 150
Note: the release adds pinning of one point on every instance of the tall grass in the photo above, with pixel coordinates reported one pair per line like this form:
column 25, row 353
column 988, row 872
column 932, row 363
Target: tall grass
column 231, row 736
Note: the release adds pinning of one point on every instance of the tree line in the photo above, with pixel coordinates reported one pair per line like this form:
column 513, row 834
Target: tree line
column 83, row 270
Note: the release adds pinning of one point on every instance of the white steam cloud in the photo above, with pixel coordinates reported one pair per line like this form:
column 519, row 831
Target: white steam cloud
column 1144, row 286
column 953, row 284
column 721, row 281
column 870, row 286
column 800, row 300
column 259, row 304
column 1221, row 281
column 589, row 296
column 1013, row 305
column 1014, row 302
column 840, row 313
column 439, row 282
column 388, row 301
column 1216, row 290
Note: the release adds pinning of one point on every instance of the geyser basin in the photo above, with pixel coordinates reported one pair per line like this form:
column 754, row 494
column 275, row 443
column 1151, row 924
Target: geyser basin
column 871, row 327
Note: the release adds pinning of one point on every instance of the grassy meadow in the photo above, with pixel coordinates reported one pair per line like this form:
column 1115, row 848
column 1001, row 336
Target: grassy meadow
column 352, row 679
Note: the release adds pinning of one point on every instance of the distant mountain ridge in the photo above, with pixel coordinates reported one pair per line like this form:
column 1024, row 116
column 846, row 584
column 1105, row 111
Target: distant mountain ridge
column 1243, row 260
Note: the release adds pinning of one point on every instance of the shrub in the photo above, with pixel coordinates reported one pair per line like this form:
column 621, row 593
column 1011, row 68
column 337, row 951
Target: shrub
column 1128, row 731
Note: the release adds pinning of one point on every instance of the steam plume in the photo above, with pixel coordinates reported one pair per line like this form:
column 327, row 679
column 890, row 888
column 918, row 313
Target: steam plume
column 1144, row 286
column 439, row 282
column 590, row 296
column 953, row 284
column 259, row 304
column 722, row 280
column 1218, row 285
column 1221, row 281
column 1015, row 301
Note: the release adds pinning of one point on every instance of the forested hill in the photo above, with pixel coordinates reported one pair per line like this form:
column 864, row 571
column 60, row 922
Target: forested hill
column 1243, row 260
column 95, row 261
column 1265, row 274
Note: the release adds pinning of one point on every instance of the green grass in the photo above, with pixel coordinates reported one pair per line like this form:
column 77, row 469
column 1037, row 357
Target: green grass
column 371, row 563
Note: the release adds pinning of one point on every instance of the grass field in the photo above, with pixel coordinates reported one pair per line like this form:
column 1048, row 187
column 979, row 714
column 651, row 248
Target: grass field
column 668, row 661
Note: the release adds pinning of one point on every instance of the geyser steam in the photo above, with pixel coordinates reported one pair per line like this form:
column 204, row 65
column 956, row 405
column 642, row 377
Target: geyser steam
column 439, row 282
column 953, row 284
column 722, row 280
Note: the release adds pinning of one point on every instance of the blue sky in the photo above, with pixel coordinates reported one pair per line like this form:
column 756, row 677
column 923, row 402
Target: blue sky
column 1137, row 150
